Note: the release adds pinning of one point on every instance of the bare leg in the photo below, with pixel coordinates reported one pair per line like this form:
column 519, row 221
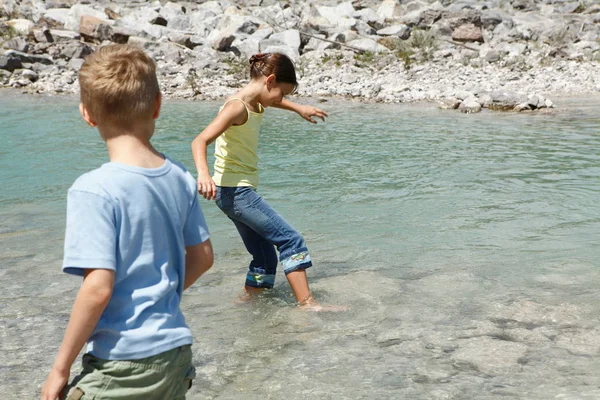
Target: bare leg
column 299, row 284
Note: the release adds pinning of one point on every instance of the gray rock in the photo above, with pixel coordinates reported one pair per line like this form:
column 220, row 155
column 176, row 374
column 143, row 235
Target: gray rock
column 369, row 16
column 468, row 33
column 523, row 5
column 449, row 104
column 368, row 45
column 77, row 11
column 363, row 29
column 75, row 50
column 463, row 17
column 493, row 56
column 389, row 9
column 171, row 11
column 21, row 26
column 506, row 101
column 534, row 100
column 9, row 63
column 290, row 38
column 29, row 74
column 490, row 19
column 179, row 23
column 212, row 6
column 572, row 7
column 57, row 17
column 522, row 107
column 349, row 79
column 76, row 63
column 222, row 42
column 340, row 15
column 17, row 43
column 28, row 58
column 401, row 31
column 95, row 28
column 422, row 19
column 485, row 100
column 62, row 34
column 470, row 105
column 4, row 75
column 43, row 36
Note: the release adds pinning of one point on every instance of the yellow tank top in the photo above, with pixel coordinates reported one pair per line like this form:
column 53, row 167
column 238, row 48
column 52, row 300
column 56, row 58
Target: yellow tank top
column 236, row 159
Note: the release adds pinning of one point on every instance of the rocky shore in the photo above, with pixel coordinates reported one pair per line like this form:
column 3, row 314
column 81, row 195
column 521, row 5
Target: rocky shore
column 467, row 54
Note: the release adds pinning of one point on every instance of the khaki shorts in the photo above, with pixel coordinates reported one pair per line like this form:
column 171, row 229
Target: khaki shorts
column 166, row 376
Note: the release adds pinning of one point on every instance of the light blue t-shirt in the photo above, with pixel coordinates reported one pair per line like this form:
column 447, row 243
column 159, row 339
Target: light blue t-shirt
column 137, row 222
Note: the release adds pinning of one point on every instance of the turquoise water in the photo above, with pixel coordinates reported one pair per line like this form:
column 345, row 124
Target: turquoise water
column 466, row 247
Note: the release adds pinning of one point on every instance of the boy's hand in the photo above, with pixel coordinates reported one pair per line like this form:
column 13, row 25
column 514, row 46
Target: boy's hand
column 55, row 383
column 307, row 112
column 207, row 187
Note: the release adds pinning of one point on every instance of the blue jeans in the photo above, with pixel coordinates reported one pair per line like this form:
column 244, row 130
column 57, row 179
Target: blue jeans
column 262, row 229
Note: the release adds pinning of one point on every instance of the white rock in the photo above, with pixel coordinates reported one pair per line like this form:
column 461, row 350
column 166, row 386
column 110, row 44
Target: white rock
column 22, row 26
column 72, row 23
column 389, row 9
column 368, row 45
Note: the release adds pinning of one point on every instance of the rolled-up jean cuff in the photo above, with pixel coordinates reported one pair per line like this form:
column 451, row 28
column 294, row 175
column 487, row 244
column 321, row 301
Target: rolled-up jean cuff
column 260, row 280
column 296, row 261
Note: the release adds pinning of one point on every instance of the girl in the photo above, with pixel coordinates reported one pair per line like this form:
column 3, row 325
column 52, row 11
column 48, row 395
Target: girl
column 233, row 186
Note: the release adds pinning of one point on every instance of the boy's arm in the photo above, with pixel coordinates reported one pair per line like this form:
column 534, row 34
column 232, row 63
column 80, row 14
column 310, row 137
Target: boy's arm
column 305, row 111
column 93, row 296
column 198, row 260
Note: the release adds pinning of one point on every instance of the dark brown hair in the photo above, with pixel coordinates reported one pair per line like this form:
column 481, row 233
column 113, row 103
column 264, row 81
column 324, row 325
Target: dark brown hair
column 280, row 65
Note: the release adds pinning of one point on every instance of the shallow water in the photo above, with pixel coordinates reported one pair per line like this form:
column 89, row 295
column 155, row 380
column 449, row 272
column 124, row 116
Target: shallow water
column 466, row 247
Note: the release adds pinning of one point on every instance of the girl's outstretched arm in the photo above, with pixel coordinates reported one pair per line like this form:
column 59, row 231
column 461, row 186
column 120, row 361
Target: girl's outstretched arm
column 234, row 113
column 305, row 111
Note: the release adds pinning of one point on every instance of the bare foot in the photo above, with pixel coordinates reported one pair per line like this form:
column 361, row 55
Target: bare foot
column 310, row 304
column 248, row 294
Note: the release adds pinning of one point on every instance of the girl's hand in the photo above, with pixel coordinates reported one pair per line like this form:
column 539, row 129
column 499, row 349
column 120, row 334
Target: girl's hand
column 307, row 112
column 207, row 187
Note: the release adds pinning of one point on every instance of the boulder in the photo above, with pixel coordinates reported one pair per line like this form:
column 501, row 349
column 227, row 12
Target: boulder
column 57, row 17
column 468, row 33
column 506, row 101
column 401, row 31
column 470, row 105
column 422, row 19
column 29, row 74
column 16, row 43
column 43, row 36
column 490, row 19
column 77, row 11
column 62, row 34
column 287, row 42
column 95, row 28
column 389, row 9
column 368, row 45
column 449, row 104
column 522, row 107
column 21, row 26
column 4, row 75
column 28, row 58
column 9, row 63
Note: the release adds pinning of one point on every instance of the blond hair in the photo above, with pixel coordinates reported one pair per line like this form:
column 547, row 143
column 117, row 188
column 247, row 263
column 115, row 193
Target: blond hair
column 118, row 85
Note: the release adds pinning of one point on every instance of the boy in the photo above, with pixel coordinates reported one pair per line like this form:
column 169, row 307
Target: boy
column 136, row 233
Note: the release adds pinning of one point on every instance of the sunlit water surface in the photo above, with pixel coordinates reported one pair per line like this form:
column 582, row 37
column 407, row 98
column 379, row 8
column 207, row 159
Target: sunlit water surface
column 465, row 246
